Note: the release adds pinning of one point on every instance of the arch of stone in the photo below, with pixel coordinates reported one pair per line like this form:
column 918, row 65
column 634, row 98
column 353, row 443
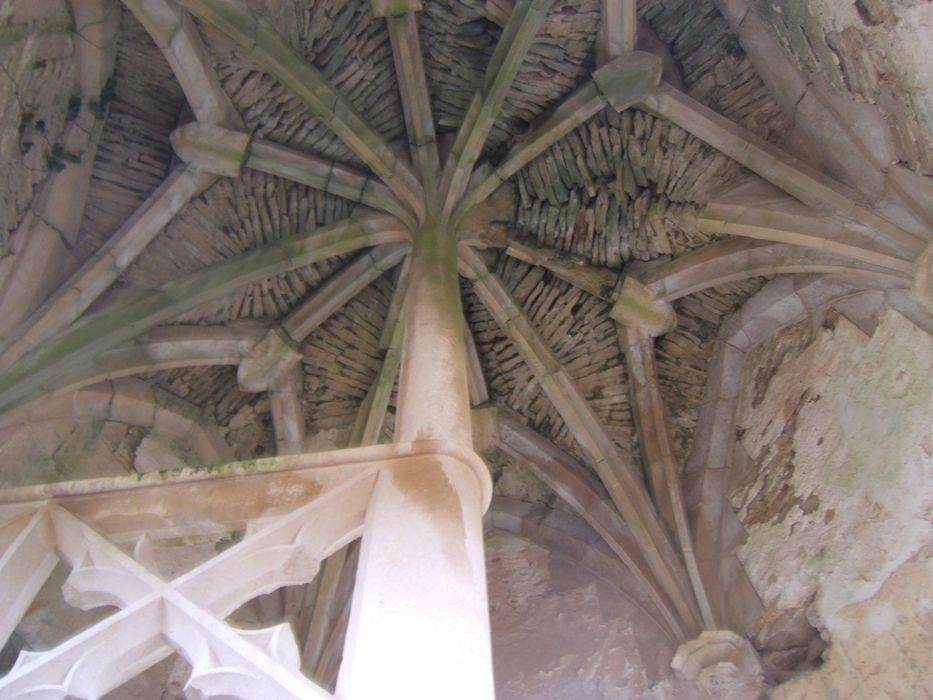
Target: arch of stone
column 418, row 625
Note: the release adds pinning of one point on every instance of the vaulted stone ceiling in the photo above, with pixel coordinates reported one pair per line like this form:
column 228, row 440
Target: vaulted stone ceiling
column 115, row 232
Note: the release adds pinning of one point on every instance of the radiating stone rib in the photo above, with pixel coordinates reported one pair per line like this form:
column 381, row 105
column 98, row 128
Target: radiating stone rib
column 718, row 263
column 277, row 352
column 479, row 389
column 329, row 665
column 781, row 169
column 371, row 416
column 583, row 104
column 210, row 148
column 618, row 29
column 564, row 476
column 516, row 39
column 175, row 33
column 60, row 359
column 416, row 97
column 333, row 596
column 599, row 281
column 736, row 259
column 272, row 53
column 755, row 209
column 658, row 455
column 616, row 470
column 325, row 175
column 100, row 271
column 618, row 84
column 166, row 347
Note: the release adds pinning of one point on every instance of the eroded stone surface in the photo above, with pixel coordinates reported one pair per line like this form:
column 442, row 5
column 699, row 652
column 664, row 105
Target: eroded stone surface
column 881, row 646
column 874, row 50
column 838, row 502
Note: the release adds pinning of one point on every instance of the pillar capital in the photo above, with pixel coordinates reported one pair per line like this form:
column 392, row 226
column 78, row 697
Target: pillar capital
column 638, row 309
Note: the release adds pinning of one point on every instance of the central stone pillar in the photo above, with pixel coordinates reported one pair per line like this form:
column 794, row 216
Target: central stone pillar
column 434, row 396
column 419, row 624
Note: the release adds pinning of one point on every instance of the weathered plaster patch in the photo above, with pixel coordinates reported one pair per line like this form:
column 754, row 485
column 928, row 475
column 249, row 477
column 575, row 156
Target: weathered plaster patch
column 857, row 414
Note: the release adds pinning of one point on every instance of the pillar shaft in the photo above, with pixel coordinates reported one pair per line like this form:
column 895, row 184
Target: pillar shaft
column 434, row 396
column 419, row 622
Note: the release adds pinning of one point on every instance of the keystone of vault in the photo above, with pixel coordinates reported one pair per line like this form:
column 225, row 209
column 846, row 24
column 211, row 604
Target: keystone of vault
column 270, row 357
column 637, row 308
column 211, row 148
column 624, row 80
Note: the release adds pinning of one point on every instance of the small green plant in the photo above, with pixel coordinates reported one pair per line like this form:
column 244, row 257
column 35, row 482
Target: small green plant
column 27, row 124
column 25, row 121
column 733, row 47
column 99, row 106
column 39, row 65
column 74, row 107
column 58, row 158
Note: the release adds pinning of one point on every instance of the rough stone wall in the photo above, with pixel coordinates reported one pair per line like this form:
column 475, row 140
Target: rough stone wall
column 36, row 78
column 836, row 495
column 874, row 51
column 558, row 632
column 142, row 107
column 712, row 63
column 107, row 429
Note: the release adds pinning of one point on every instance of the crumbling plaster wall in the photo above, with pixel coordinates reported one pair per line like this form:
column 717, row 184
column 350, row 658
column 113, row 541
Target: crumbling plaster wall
column 836, row 493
